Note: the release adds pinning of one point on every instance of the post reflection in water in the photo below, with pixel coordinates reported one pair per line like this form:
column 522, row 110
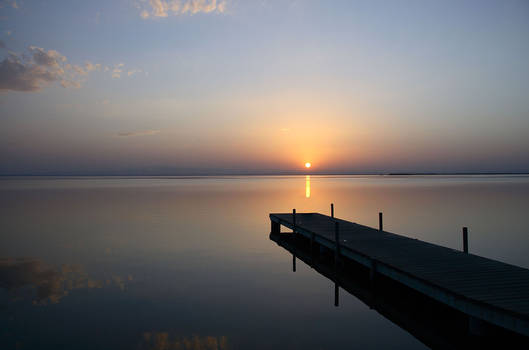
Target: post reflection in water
column 336, row 294
column 307, row 186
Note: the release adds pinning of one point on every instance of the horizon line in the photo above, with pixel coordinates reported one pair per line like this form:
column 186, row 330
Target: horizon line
column 207, row 174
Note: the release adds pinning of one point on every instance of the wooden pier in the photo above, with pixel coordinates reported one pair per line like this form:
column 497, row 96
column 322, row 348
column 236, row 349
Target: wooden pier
column 484, row 289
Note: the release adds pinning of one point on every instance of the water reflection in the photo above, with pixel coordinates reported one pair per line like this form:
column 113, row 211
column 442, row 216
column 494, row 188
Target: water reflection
column 42, row 284
column 307, row 186
column 434, row 324
column 164, row 341
column 199, row 255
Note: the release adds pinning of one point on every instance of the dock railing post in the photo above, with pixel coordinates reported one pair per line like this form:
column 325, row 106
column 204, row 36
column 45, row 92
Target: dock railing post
column 465, row 240
column 337, row 241
column 294, row 220
column 293, row 263
column 380, row 226
column 332, row 210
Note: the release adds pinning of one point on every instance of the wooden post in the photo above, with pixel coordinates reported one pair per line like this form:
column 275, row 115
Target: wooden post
column 294, row 220
column 337, row 241
column 332, row 210
column 275, row 227
column 465, row 240
column 380, row 226
column 293, row 263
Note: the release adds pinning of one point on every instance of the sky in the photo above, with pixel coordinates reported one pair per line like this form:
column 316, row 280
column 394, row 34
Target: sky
column 167, row 87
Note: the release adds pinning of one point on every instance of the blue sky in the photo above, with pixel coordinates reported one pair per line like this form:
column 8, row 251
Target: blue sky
column 165, row 87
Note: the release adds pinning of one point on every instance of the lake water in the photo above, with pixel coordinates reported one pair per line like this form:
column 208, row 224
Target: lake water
column 187, row 263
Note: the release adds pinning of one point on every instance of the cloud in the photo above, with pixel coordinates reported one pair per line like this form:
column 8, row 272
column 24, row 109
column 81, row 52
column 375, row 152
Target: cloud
column 164, row 8
column 144, row 14
column 138, row 133
column 133, row 71
column 38, row 68
column 159, row 8
column 18, row 74
column 11, row 3
column 89, row 66
column 117, row 70
column 51, row 58
column 2, row 45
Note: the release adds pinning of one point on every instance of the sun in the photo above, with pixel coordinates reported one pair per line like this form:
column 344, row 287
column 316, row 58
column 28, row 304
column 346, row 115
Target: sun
column 308, row 165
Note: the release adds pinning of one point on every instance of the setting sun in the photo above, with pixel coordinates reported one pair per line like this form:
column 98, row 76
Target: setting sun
column 308, row 165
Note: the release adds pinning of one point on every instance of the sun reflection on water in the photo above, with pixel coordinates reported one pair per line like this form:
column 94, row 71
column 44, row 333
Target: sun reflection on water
column 307, row 186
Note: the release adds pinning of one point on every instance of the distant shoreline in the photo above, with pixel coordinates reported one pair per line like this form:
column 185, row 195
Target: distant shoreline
column 265, row 174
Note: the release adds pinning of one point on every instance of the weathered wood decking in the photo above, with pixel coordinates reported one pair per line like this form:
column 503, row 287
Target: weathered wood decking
column 485, row 289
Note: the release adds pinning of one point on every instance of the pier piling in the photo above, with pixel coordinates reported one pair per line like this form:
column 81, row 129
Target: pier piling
column 465, row 240
column 294, row 220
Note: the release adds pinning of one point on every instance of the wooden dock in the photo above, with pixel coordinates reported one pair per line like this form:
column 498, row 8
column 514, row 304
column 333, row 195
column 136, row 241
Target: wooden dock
column 485, row 289
column 434, row 324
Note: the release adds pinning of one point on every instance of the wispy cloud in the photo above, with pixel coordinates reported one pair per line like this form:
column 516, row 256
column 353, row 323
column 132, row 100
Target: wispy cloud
column 117, row 70
column 38, row 68
column 134, row 71
column 138, row 133
column 10, row 3
column 165, row 8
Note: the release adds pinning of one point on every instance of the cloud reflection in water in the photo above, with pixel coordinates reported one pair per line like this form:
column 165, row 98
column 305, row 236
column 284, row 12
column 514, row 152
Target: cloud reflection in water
column 163, row 341
column 44, row 284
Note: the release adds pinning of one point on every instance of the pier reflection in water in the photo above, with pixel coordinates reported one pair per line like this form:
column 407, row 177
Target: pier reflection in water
column 434, row 324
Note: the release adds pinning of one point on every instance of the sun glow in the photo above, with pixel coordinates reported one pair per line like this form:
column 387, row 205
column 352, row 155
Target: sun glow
column 308, row 165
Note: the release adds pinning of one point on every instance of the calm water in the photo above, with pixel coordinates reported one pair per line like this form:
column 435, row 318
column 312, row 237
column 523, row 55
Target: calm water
column 187, row 263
